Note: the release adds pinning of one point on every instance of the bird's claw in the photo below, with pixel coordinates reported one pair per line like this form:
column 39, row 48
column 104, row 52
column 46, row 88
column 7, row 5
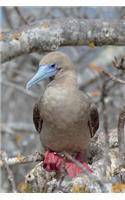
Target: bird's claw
column 53, row 161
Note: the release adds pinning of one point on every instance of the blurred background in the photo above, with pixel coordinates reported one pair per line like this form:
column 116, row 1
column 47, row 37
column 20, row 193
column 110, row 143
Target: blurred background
column 17, row 129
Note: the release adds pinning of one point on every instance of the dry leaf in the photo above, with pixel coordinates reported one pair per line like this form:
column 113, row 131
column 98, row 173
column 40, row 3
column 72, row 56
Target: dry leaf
column 23, row 187
column 91, row 44
column 45, row 25
column 78, row 188
column 18, row 138
column 94, row 93
column 96, row 68
column 16, row 35
column 1, row 36
column 19, row 157
column 75, row 188
column 118, row 187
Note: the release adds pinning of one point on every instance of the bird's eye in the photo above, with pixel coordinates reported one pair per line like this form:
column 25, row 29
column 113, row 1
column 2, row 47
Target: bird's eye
column 53, row 66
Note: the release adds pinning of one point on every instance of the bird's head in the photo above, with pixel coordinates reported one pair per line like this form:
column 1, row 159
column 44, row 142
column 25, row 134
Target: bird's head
column 50, row 66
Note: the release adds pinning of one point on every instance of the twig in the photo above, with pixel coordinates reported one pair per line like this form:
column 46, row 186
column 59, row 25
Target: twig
column 20, row 15
column 69, row 157
column 20, row 159
column 12, row 127
column 89, row 82
column 113, row 78
column 7, row 17
column 9, row 172
column 21, row 89
column 105, row 125
column 119, row 64
column 121, row 135
column 102, row 71
column 92, row 178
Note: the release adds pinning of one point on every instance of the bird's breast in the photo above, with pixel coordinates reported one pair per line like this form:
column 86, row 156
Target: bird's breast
column 64, row 119
column 63, row 107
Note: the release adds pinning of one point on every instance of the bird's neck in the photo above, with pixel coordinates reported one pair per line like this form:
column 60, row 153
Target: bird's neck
column 66, row 78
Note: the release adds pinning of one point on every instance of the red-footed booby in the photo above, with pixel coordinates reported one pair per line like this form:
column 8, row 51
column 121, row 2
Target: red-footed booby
column 64, row 116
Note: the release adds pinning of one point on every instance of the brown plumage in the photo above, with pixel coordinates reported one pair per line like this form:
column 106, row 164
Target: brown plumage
column 64, row 116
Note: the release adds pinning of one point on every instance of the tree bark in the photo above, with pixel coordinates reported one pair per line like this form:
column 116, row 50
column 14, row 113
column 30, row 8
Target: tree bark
column 49, row 35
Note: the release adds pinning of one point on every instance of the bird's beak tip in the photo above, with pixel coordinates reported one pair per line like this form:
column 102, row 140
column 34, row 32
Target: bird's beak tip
column 28, row 86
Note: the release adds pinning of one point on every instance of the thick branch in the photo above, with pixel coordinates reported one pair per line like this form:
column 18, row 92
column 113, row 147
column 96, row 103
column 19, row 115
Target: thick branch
column 90, row 176
column 49, row 35
column 121, row 135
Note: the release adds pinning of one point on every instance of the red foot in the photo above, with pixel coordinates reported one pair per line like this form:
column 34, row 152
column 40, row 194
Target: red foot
column 53, row 161
column 73, row 170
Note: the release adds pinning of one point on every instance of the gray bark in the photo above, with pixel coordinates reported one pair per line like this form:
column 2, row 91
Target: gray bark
column 49, row 35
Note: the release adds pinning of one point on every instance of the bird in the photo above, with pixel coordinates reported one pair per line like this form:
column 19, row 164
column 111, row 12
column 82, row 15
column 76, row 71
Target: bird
column 64, row 116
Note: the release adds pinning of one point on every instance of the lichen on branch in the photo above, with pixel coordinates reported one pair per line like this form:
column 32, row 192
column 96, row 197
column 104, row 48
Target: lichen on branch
column 49, row 35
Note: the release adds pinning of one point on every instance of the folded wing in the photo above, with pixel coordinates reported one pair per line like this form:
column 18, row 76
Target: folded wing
column 93, row 122
column 37, row 118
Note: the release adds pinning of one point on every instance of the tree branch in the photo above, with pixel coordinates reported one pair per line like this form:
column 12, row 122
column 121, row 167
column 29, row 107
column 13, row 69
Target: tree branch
column 20, row 159
column 119, row 64
column 105, row 126
column 13, row 127
column 18, row 87
column 20, row 15
column 121, row 136
column 91, row 177
column 113, row 78
column 49, row 35
column 9, row 171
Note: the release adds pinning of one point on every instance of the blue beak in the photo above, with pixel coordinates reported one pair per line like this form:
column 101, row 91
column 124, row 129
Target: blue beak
column 44, row 71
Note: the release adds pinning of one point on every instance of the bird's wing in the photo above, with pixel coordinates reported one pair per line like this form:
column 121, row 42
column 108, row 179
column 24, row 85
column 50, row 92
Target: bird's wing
column 37, row 118
column 93, row 122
